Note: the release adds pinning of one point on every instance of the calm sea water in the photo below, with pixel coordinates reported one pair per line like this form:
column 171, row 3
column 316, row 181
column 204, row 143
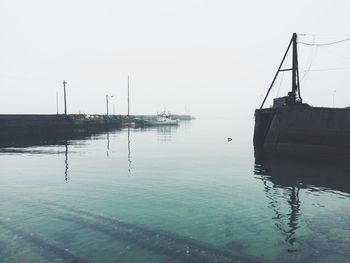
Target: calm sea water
column 170, row 194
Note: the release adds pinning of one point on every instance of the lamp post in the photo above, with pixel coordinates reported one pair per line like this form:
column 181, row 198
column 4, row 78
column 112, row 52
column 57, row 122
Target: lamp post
column 107, row 102
column 128, row 98
column 65, row 98
column 56, row 102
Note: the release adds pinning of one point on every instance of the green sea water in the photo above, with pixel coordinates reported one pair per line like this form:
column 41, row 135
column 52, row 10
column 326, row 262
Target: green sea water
column 170, row 194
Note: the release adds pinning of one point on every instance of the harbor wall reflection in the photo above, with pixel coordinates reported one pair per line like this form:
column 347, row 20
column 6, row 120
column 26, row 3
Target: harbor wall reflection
column 324, row 173
column 164, row 133
column 284, row 177
column 42, row 145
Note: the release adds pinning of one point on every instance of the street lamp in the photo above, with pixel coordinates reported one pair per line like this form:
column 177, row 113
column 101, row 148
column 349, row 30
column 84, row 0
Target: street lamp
column 65, row 96
column 107, row 97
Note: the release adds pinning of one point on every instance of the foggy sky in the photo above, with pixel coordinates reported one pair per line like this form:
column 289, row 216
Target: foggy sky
column 201, row 57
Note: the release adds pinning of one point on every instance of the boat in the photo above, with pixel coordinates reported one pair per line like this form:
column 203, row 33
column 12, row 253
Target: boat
column 162, row 119
column 291, row 125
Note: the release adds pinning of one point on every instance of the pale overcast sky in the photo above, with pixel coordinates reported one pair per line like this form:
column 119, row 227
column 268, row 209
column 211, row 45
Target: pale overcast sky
column 205, row 57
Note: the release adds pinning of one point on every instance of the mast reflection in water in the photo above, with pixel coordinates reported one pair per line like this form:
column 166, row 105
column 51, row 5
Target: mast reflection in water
column 284, row 178
column 129, row 153
column 165, row 133
column 44, row 146
column 66, row 163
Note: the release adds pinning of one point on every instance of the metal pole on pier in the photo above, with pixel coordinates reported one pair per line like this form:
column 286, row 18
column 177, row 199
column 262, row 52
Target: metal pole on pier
column 107, row 104
column 65, row 98
column 278, row 71
column 295, row 94
column 57, row 102
column 295, row 69
column 128, row 98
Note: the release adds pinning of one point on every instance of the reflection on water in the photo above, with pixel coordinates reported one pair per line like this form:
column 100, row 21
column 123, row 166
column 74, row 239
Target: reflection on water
column 66, row 163
column 108, row 144
column 129, row 153
column 165, row 133
column 285, row 221
column 283, row 180
column 168, row 194
column 331, row 174
column 43, row 145
column 25, row 142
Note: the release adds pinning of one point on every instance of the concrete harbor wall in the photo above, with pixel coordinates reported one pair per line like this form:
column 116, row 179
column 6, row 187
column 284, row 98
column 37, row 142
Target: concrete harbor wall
column 293, row 128
column 50, row 125
column 27, row 126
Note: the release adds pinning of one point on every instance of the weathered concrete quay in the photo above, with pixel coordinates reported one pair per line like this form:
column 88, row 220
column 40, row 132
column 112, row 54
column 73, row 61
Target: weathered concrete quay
column 309, row 129
column 292, row 126
column 32, row 125
column 27, row 126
